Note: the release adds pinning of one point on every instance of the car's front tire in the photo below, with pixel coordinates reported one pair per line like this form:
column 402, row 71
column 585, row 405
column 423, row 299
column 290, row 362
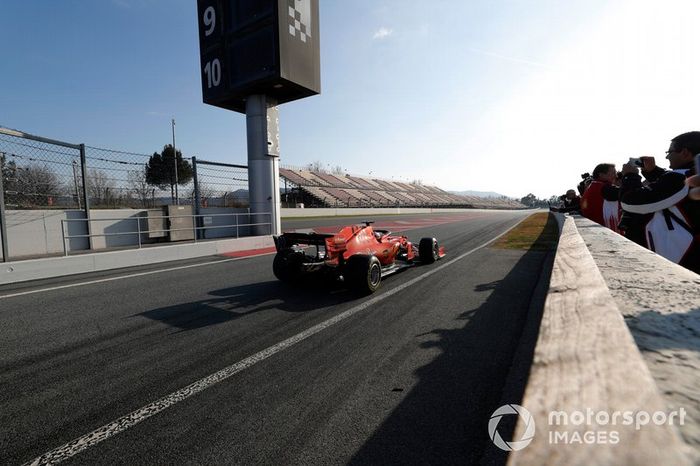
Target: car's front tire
column 428, row 250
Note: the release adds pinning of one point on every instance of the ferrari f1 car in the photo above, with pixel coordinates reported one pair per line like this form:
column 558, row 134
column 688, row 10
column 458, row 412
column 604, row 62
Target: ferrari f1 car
column 359, row 255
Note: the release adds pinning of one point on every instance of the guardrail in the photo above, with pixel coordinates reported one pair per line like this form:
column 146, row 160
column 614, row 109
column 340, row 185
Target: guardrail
column 139, row 231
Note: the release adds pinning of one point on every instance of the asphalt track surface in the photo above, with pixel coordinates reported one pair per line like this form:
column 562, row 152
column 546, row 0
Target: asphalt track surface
column 305, row 375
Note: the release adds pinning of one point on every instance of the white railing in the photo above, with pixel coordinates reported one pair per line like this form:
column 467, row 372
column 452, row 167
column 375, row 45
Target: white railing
column 140, row 231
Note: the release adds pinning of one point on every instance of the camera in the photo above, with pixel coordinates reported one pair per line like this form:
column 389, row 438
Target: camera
column 636, row 161
column 585, row 176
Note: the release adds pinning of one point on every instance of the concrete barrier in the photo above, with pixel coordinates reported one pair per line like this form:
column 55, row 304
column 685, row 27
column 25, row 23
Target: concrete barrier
column 587, row 360
column 35, row 269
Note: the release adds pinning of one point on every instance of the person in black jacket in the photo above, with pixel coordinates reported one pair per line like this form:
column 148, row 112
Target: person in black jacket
column 571, row 203
column 664, row 218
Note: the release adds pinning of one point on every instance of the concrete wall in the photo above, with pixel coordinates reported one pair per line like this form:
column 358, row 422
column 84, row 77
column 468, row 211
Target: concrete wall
column 116, row 223
column 38, row 232
column 215, row 222
column 35, row 269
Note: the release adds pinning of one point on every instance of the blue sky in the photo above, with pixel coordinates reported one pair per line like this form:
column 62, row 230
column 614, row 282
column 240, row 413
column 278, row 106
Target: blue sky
column 509, row 96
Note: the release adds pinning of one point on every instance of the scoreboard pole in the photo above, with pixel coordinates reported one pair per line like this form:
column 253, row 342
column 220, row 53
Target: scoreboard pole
column 254, row 56
column 263, row 164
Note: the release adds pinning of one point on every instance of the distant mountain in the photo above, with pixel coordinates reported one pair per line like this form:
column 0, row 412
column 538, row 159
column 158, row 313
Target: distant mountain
column 478, row 193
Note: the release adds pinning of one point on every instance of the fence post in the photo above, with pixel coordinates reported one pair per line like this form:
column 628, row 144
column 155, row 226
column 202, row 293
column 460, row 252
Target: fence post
column 86, row 199
column 63, row 237
column 197, row 199
column 3, row 224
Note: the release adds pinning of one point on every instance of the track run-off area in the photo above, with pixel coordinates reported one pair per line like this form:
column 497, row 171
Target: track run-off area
column 214, row 361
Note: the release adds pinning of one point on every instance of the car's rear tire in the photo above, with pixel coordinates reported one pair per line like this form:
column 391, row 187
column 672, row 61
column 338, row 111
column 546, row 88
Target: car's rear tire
column 428, row 250
column 363, row 273
column 287, row 265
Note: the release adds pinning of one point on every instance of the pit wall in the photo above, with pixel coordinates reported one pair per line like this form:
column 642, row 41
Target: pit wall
column 36, row 233
column 619, row 333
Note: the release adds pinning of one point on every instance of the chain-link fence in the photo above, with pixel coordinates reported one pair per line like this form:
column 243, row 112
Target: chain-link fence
column 118, row 179
column 47, row 183
column 221, row 184
column 39, row 173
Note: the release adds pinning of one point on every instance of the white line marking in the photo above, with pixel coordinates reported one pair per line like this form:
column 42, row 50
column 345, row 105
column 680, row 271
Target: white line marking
column 79, row 444
column 139, row 274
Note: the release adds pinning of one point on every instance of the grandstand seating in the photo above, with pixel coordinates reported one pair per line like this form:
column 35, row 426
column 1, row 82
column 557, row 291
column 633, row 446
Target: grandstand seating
column 337, row 190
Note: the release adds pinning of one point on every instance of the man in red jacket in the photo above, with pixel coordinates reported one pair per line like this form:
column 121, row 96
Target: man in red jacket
column 600, row 202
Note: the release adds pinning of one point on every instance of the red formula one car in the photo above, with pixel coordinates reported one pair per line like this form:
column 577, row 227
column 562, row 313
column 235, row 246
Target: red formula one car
column 358, row 255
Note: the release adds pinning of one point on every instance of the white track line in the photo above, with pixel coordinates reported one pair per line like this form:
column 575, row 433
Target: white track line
column 120, row 277
column 117, row 426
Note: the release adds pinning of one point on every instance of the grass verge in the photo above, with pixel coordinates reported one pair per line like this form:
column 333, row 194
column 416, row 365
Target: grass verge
column 537, row 232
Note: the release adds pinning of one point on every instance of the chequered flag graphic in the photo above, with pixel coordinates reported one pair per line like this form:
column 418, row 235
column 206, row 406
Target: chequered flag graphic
column 299, row 18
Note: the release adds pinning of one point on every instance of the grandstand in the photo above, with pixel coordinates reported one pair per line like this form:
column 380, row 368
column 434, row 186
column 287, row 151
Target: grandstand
column 319, row 189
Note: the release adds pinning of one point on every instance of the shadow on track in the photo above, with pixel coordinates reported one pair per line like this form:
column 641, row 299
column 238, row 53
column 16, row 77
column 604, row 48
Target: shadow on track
column 444, row 419
column 239, row 301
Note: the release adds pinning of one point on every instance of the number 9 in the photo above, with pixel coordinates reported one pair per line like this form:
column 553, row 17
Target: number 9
column 209, row 20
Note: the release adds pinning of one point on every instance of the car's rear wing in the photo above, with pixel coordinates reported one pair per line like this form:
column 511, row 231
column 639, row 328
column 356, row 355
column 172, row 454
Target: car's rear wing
column 287, row 240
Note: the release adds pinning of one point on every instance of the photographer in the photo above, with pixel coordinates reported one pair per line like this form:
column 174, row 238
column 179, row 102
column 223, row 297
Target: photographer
column 571, row 202
column 600, row 202
column 586, row 177
column 666, row 219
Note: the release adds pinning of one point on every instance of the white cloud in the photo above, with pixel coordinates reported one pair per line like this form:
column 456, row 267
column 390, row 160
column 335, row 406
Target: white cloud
column 383, row 33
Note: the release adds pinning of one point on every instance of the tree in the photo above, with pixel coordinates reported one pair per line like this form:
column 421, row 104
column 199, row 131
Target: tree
column 138, row 185
column 9, row 172
column 554, row 200
column 37, row 185
column 101, row 189
column 338, row 170
column 316, row 166
column 530, row 200
column 160, row 170
column 9, row 179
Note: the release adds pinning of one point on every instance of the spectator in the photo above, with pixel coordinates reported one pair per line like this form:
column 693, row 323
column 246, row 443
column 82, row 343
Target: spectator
column 671, row 219
column 600, row 201
column 694, row 185
column 585, row 182
column 571, row 202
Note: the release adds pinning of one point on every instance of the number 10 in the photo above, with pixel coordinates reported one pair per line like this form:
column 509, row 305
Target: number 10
column 213, row 71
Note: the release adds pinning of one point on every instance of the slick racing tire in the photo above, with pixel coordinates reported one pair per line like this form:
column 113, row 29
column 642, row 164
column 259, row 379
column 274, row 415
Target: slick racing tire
column 428, row 250
column 287, row 265
column 363, row 273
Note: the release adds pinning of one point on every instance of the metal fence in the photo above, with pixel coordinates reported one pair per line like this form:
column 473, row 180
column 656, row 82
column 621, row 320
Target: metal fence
column 118, row 179
column 42, row 174
column 240, row 224
column 220, row 184
column 38, row 172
